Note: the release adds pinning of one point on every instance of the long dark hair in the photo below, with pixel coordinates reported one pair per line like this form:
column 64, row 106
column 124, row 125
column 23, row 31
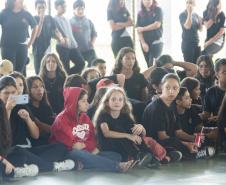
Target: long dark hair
column 118, row 63
column 209, row 62
column 30, row 81
column 60, row 71
column 5, row 131
column 16, row 75
column 153, row 6
column 212, row 9
column 114, row 6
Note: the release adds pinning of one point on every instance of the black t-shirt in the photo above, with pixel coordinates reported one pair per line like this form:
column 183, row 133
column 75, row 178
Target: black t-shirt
column 54, row 89
column 205, row 84
column 213, row 99
column 15, row 27
column 45, row 114
column 121, row 15
column 122, row 124
column 190, row 36
column 159, row 117
column 145, row 18
column 20, row 132
column 134, row 86
column 181, row 74
column 214, row 29
column 48, row 31
column 189, row 120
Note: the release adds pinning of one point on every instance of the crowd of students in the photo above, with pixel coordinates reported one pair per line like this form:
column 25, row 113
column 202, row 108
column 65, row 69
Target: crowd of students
column 82, row 119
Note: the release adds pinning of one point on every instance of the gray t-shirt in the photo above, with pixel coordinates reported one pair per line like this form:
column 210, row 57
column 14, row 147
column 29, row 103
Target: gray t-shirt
column 65, row 28
column 83, row 31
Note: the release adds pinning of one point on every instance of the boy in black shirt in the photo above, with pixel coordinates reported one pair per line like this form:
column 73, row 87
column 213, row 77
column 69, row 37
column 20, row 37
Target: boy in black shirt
column 46, row 30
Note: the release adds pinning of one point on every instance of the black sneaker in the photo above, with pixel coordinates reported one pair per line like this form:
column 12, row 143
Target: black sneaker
column 175, row 156
column 154, row 163
column 206, row 152
column 144, row 159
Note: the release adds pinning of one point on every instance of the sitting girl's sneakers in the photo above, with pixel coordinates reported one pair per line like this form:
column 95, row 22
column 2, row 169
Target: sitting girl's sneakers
column 206, row 152
column 64, row 165
column 26, row 171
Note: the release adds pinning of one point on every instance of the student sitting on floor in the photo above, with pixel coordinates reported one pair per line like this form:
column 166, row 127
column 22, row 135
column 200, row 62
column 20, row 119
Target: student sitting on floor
column 188, row 119
column 23, row 127
column 73, row 128
column 117, row 131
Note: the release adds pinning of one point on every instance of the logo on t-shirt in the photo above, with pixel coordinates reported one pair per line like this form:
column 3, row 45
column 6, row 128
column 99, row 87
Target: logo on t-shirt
column 81, row 131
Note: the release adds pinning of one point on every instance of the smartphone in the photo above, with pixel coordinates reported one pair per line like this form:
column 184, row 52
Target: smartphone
column 21, row 99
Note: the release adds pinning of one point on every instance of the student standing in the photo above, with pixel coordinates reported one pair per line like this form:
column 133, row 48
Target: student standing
column 149, row 28
column 214, row 20
column 119, row 19
column 46, row 30
column 14, row 46
column 191, row 23
column 69, row 50
column 84, row 32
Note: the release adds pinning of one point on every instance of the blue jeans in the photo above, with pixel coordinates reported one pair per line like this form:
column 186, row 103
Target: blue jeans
column 105, row 161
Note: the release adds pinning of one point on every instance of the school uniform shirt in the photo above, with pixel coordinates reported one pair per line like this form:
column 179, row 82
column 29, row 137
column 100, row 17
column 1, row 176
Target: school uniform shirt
column 44, row 114
column 190, row 36
column 205, row 84
column 214, row 29
column 145, row 18
column 83, row 32
column 15, row 27
column 122, row 15
column 134, row 86
column 70, row 128
column 159, row 117
column 213, row 99
column 54, row 89
column 20, row 131
column 47, row 32
column 189, row 120
column 121, row 124
column 64, row 27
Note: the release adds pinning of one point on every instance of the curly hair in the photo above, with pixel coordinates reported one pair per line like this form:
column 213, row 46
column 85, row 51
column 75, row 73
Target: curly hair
column 118, row 63
column 103, row 107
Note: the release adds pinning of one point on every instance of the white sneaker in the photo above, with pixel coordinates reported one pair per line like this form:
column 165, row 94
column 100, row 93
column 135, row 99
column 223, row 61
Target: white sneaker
column 26, row 171
column 207, row 152
column 64, row 165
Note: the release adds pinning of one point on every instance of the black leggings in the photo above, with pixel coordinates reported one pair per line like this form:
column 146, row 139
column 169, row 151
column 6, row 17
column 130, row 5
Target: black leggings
column 127, row 148
column 174, row 143
column 17, row 55
column 191, row 52
column 42, row 156
column 118, row 43
column 74, row 55
column 38, row 53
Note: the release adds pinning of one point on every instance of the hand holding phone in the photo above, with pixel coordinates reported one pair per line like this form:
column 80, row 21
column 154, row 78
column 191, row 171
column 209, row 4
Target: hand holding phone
column 21, row 99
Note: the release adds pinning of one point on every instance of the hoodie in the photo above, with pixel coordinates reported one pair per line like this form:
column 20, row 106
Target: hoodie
column 69, row 127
